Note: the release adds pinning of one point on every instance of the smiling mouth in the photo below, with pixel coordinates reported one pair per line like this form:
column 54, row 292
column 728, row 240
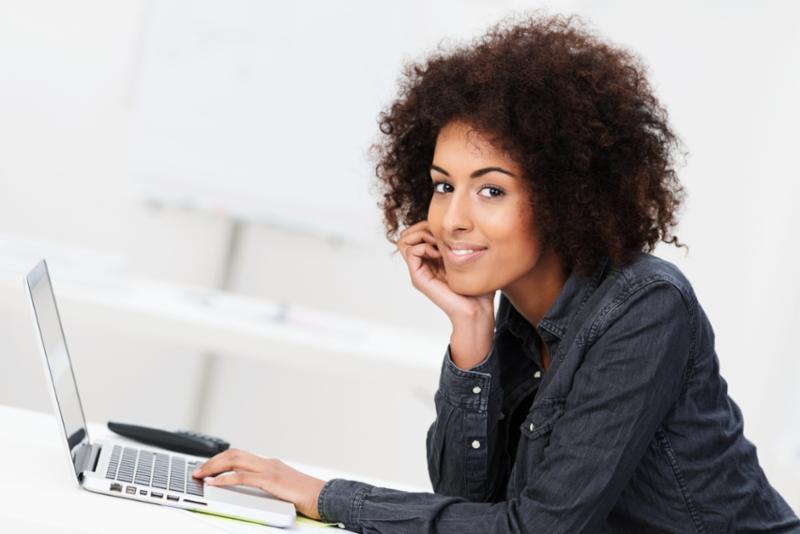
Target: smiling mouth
column 463, row 256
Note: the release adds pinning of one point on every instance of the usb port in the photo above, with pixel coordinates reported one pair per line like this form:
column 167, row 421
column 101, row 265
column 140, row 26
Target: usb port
column 130, row 490
column 172, row 497
column 116, row 487
column 156, row 494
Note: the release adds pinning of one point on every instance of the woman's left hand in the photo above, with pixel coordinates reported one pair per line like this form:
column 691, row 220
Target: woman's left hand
column 268, row 474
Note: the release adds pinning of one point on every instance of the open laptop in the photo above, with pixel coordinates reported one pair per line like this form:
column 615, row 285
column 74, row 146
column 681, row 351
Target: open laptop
column 116, row 467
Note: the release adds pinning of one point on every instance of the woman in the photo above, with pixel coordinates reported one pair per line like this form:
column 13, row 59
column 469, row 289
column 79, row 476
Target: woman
column 537, row 163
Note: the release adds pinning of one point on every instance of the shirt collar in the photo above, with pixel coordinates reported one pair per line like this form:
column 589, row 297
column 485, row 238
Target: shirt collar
column 575, row 292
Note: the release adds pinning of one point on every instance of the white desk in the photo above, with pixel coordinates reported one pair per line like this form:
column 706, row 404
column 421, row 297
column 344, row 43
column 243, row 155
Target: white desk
column 38, row 492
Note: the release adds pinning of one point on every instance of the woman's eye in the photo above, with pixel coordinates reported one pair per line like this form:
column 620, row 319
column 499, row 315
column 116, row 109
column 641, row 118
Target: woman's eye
column 437, row 184
column 495, row 191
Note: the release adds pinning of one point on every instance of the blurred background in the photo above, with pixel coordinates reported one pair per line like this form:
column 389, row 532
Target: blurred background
column 197, row 175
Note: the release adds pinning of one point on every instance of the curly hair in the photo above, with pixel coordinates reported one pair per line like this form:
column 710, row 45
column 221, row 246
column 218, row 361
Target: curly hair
column 577, row 114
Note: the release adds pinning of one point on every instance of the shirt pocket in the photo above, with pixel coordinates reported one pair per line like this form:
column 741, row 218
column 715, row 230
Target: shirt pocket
column 535, row 433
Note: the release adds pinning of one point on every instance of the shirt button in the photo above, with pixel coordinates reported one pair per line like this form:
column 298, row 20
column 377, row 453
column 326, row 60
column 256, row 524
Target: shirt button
column 537, row 374
column 476, row 389
column 476, row 444
column 532, row 427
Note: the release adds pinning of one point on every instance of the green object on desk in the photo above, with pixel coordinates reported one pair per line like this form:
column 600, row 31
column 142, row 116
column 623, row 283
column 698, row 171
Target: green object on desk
column 298, row 519
column 314, row 522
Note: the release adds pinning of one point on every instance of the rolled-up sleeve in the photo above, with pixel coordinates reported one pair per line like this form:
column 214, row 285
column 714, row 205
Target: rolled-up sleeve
column 630, row 377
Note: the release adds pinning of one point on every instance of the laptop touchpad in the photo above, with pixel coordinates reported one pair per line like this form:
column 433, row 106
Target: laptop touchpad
column 247, row 496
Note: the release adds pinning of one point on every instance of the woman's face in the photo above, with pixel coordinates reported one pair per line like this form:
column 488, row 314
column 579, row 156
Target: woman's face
column 479, row 203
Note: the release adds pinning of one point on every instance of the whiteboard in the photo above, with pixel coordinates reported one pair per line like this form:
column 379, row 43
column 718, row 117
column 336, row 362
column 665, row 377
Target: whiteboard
column 265, row 111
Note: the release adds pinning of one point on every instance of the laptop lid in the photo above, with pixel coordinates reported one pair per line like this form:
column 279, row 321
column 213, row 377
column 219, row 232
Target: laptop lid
column 54, row 351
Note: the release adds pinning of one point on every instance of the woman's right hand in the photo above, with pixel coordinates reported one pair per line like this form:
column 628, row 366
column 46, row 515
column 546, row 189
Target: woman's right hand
column 472, row 317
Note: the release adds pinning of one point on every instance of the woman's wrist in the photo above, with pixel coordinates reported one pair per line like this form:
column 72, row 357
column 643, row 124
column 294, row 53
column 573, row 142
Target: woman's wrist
column 471, row 341
column 312, row 507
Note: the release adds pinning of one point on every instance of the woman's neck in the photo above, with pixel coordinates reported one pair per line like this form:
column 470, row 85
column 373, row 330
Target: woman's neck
column 533, row 294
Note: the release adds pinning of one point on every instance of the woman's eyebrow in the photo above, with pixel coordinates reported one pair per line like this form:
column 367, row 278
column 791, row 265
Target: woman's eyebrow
column 475, row 174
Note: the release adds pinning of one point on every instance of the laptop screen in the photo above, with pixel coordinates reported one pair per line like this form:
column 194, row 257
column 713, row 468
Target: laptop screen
column 58, row 361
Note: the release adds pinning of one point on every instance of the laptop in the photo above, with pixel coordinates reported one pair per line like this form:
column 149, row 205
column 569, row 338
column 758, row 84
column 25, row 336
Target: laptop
column 117, row 468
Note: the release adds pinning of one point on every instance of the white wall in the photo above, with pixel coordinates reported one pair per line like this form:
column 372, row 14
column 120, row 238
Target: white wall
column 64, row 113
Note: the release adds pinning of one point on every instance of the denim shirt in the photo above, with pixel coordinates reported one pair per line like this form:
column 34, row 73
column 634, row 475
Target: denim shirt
column 630, row 429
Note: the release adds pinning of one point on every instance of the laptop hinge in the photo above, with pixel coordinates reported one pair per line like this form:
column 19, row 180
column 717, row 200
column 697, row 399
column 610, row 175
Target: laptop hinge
column 87, row 457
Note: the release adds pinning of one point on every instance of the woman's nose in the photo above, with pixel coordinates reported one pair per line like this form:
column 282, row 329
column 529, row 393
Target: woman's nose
column 457, row 216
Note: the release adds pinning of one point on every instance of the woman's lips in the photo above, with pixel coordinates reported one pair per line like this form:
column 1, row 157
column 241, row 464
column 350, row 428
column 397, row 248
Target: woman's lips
column 463, row 259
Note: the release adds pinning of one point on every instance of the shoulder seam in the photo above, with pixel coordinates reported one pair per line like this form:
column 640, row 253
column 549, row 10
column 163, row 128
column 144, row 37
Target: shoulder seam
column 636, row 287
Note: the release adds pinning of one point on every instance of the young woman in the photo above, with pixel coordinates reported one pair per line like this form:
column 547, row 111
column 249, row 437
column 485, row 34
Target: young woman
column 538, row 163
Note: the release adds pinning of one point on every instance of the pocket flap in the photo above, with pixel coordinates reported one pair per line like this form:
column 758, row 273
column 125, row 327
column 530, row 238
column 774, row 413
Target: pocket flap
column 541, row 417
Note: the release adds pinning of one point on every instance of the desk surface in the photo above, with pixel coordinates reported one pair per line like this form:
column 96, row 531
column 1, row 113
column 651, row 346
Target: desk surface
column 38, row 494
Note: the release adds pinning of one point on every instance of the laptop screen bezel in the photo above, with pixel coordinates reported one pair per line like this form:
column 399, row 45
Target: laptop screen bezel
column 35, row 277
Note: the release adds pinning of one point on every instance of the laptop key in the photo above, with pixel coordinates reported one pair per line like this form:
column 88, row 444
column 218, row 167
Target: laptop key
column 113, row 462
column 193, row 486
column 144, row 468
column 177, row 475
column 161, row 471
column 127, row 465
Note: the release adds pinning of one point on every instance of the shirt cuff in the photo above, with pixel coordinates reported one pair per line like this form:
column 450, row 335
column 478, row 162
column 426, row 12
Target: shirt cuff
column 472, row 388
column 340, row 501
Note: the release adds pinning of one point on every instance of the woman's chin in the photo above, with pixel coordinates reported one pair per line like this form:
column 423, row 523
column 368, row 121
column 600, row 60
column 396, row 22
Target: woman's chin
column 466, row 288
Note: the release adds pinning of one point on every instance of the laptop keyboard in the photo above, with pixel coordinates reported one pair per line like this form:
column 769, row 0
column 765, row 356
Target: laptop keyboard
column 154, row 469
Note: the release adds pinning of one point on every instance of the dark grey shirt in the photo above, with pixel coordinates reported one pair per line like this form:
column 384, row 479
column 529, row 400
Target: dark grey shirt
column 630, row 429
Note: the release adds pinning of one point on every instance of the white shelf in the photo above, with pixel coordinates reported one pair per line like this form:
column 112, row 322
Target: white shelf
column 217, row 321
